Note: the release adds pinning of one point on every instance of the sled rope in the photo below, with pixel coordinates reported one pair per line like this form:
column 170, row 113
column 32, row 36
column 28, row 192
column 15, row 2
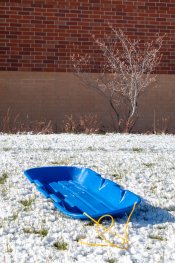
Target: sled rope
column 124, row 239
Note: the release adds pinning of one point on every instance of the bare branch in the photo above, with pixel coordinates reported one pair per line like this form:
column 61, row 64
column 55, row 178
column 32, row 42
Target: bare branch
column 126, row 73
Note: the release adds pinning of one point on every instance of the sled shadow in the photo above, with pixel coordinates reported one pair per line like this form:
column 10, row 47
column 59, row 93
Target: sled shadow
column 146, row 214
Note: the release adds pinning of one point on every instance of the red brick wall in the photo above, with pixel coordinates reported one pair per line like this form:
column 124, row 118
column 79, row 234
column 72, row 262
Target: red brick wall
column 39, row 35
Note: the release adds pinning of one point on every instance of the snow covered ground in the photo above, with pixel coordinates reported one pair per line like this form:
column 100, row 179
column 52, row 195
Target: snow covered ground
column 32, row 230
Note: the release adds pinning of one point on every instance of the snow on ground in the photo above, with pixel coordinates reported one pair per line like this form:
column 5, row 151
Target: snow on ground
column 32, row 230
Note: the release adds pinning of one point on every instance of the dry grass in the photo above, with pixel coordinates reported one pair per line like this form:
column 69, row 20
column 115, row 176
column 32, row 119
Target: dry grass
column 60, row 245
column 42, row 232
column 87, row 123
column 12, row 123
column 3, row 178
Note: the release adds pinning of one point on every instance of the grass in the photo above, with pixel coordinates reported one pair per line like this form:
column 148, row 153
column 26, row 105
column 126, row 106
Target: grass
column 60, row 245
column 46, row 149
column 170, row 208
column 154, row 189
column 90, row 223
column 161, row 227
column 4, row 191
column 3, row 178
column 42, row 232
column 148, row 165
column 148, row 248
column 14, row 216
column 118, row 175
column 90, row 148
column 156, row 237
column 63, row 162
column 27, row 203
column 111, row 260
column 6, row 149
column 8, row 248
column 135, row 149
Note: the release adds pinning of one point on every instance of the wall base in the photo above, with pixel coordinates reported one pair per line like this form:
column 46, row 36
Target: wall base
column 52, row 96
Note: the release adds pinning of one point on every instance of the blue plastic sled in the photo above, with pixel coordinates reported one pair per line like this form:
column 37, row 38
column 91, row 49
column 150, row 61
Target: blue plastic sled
column 77, row 190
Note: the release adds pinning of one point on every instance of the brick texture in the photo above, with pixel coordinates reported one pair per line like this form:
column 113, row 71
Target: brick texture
column 41, row 35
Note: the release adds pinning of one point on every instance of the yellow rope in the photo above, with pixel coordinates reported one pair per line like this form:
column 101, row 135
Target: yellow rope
column 124, row 239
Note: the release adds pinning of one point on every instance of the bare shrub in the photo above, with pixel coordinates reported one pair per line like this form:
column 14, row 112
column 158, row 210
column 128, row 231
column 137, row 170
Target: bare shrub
column 126, row 73
column 43, row 127
column 12, row 123
column 87, row 123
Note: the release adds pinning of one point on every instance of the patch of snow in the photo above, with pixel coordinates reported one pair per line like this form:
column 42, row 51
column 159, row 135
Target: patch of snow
column 143, row 164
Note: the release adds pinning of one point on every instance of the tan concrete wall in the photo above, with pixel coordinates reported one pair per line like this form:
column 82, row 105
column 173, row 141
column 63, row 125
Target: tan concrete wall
column 156, row 103
column 51, row 96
